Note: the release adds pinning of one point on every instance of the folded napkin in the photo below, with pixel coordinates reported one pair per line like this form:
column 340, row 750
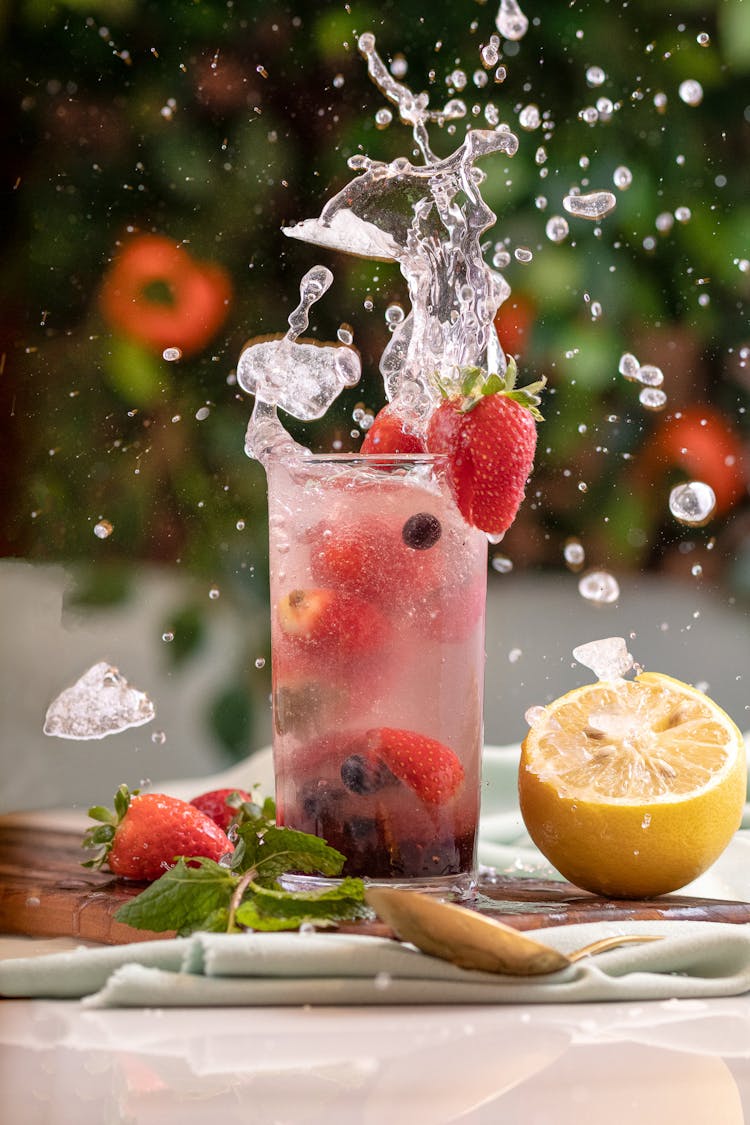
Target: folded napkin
column 693, row 959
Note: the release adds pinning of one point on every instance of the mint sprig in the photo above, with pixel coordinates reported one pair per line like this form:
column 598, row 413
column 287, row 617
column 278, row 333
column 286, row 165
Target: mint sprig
column 244, row 892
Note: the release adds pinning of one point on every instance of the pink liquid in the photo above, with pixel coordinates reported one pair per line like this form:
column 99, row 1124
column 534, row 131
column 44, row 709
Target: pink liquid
column 377, row 605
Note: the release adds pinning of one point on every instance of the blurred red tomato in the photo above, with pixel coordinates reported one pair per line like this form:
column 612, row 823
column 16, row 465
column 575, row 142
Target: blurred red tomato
column 513, row 322
column 157, row 294
column 701, row 442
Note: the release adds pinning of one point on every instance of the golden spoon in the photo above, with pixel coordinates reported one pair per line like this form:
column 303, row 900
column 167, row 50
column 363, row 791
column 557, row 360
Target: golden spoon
column 474, row 941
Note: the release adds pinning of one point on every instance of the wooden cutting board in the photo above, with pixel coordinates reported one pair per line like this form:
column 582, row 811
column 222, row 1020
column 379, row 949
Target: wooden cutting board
column 44, row 892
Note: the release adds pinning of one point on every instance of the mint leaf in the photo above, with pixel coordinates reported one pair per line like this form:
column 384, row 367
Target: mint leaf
column 248, row 916
column 285, row 849
column 336, row 904
column 183, row 899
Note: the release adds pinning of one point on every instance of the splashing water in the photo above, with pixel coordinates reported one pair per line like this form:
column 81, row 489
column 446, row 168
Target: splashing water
column 303, row 378
column 429, row 218
column 608, row 659
column 99, row 703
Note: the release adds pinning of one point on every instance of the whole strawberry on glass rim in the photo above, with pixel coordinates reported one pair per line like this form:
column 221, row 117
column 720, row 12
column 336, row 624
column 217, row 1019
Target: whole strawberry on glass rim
column 488, row 431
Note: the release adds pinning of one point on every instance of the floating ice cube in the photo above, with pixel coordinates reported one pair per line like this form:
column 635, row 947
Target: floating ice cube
column 101, row 702
column 608, row 658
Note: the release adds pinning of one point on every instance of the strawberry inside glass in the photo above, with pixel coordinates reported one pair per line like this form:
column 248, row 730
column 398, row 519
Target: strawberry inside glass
column 379, row 560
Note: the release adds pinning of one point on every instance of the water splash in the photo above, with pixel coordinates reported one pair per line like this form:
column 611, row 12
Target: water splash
column 430, row 219
column 303, row 378
column 510, row 20
column 594, row 205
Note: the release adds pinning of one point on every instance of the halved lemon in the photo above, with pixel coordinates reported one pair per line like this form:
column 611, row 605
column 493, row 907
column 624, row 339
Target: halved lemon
column 632, row 788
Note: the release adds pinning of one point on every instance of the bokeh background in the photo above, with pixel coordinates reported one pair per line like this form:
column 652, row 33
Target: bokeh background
column 153, row 151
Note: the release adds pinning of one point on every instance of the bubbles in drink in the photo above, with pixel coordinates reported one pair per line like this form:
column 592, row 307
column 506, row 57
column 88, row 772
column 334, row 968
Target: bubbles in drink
column 691, row 92
column 574, row 554
column 557, row 228
column 510, row 20
column 608, row 658
column 100, row 702
column 599, row 587
column 629, row 366
column 595, row 76
column 622, row 177
column 529, row 118
column 103, row 529
column 594, row 205
column 653, row 398
column 692, row 503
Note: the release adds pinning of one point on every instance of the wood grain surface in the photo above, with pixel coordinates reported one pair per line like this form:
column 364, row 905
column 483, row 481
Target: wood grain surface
column 45, row 892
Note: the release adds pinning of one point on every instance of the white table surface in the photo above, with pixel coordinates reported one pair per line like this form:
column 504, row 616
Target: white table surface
column 685, row 1061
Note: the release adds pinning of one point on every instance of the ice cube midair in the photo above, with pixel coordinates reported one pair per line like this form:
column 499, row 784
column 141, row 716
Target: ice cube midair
column 608, row 658
column 99, row 703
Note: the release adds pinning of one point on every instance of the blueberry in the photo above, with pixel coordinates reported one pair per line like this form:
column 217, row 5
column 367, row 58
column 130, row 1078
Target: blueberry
column 421, row 531
column 363, row 777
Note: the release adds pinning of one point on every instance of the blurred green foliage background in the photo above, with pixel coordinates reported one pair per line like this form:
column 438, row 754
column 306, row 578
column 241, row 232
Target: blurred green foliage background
column 215, row 123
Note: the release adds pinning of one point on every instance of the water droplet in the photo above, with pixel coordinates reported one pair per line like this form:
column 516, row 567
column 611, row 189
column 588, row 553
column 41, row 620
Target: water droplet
column 260, row 662
column 703, row 39
column 103, row 529
column 345, row 333
column 172, row 354
column 692, row 503
column 515, row 655
column 394, row 314
column 214, row 593
column 490, row 52
column 629, row 366
column 652, row 398
column 660, row 102
column 650, row 375
column 557, row 228
column 664, row 221
column 683, row 214
column 510, row 20
column 529, row 118
column 480, row 78
column 502, row 564
column 696, row 570
column 599, row 587
column 535, row 715
column 399, row 66
column 574, row 554
column 202, row 413
column 595, row 205
column 691, row 92
column 383, row 118
column 622, row 177
column 595, row 76
column 523, row 254
column 158, row 737
column 240, row 525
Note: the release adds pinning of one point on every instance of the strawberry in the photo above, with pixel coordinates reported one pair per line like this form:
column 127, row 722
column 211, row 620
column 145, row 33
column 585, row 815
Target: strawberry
column 378, row 559
column 325, row 620
column 387, row 435
column 489, row 434
column 147, row 832
column 432, row 770
column 217, row 804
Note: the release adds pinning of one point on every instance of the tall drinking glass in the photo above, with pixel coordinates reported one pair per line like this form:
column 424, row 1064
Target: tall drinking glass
column 378, row 591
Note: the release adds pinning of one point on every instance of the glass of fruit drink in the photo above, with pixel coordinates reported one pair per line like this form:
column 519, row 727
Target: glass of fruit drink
column 377, row 603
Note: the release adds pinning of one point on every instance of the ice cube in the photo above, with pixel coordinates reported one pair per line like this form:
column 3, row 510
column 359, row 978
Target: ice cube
column 608, row 658
column 101, row 702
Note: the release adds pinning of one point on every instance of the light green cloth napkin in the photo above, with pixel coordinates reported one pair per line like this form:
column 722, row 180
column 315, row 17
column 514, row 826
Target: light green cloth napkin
column 693, row 959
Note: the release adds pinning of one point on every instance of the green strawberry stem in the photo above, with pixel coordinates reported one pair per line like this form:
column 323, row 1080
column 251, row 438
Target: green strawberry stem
column 102, row 835
column 475, row 384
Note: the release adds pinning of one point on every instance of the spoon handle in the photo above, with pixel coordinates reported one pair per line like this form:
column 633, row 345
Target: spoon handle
column 603, row 944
